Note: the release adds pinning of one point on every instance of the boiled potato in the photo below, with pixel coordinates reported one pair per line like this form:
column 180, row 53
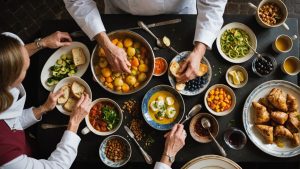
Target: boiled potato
column 103, row 62
column 106, row 72
column 120, row 44
column 125, row 87
column 118, row 82
column 128, row 42
column 143, row 68
column 131, row 80
column 130, row 51
column 142, row 77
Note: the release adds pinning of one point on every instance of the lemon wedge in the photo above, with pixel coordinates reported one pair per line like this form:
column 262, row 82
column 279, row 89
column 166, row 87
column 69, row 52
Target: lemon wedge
column 240, row 76
column 235, row 77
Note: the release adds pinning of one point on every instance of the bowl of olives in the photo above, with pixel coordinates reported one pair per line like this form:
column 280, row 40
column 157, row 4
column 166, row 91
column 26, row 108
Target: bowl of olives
column 139, row 54
column 264, row 65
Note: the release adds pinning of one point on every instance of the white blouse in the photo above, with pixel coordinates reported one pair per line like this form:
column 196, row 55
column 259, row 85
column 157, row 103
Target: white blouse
column 209, row 18
column 17, row 118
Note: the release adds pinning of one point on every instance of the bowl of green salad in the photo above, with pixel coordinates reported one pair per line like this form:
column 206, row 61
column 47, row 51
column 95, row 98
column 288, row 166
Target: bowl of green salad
column 234, row 41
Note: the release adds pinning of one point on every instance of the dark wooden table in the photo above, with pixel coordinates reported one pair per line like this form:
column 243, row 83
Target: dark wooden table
column 181, row 36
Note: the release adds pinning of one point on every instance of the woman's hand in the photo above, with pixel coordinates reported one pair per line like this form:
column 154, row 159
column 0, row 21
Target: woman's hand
column 190, row 67
column 56, row 40
column 175, row 140
column 80, row 110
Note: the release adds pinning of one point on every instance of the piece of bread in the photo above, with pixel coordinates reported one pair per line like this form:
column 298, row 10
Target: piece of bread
column 63, row 99
column 180, row 86
column 69, row 105
column 78, row 56
column 77, row 89
column 203, row 69
column 174, row 67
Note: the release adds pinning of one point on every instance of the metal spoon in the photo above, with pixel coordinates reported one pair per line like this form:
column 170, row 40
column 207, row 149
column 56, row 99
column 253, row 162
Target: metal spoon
column 206, row 124
column 258, row 54
column 194, row 110
column 51, row 126
column 159, row 41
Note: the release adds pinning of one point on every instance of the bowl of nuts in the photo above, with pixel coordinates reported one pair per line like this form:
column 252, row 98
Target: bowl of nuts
column 115, row 151
column 271, row 13
column 219, row 100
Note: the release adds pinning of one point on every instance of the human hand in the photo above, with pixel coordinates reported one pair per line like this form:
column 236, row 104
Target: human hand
column 51, row 101
column 56, row 40
column 175, row 140
column 80, row 110
column 190, row 67
column 117, row 58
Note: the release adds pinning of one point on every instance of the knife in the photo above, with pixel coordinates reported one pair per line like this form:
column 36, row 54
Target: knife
column 146, row 156
column 173, row 21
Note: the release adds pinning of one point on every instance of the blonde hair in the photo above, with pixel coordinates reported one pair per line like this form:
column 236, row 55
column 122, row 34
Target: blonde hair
column 11, row 64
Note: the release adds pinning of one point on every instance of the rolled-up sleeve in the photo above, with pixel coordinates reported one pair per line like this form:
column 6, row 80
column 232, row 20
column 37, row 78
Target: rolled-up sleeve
column 160, row 165
column 209, row 20
column 61, row 158
column 28, row 119
column 86, row 14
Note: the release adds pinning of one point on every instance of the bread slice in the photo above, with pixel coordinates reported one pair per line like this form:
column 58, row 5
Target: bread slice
column 77, row 89
column 174, row 68
column 70, row 104
column 63, row 99
column 78, row 56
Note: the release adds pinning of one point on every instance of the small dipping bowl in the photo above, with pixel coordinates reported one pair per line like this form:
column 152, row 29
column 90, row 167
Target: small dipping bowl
column 235, row 138
column 259, row 71
column 229, row 79
column 160, row 66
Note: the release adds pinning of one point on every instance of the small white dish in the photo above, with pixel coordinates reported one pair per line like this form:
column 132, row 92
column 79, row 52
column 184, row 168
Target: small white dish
column 56, row 55
column 230, row 81
column 244, row 28
column 70, row 80
column 166, row 66
column 230, row 91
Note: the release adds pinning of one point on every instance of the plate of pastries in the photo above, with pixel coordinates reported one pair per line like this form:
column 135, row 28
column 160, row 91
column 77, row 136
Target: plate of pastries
column 271, row 118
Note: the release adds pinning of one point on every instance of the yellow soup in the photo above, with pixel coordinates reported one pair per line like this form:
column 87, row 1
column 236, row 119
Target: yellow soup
column 163, row 95
column 290, row 66
column 282, row 44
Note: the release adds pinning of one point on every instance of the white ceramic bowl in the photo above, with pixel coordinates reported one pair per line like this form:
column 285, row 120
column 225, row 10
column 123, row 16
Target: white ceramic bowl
column 89, row 127
column 245, row 28
column 166, row 66
column 70, row 80
column 230, row 91
column 240, row 68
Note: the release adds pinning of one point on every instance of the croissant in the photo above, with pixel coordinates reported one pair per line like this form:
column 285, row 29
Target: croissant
column 261, row 113
column 279, row 117
column 293, row 123
column 291, row 103
column 266, row 132
column 277, row 99
column 283, row 132
column 296, row 139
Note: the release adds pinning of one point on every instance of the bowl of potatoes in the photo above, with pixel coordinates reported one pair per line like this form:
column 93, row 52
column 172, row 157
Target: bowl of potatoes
column 139, row 54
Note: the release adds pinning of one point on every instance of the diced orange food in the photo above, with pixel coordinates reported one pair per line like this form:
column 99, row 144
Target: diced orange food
column 219, row 99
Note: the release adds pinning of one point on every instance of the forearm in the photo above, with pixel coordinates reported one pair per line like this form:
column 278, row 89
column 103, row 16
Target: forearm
column 103, row 39
column 39, row 111
column 73, row 126
column 165, row 159
column 32, row 48
column 200, row 48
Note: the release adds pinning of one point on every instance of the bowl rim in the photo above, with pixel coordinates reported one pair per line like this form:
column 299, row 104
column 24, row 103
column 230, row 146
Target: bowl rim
column 145, row 83
column 167, row 86
column 232, row 96
column 123, row 139
column 167, row 66
column 237, row 67
column 245, row 28
column 195, row 135
column 92, row 129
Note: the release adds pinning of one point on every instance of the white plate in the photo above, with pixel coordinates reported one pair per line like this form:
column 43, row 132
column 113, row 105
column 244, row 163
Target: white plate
column 69, row 80
column 56, row 55
column 244, row 28
column 211, row 162
column 248, row 117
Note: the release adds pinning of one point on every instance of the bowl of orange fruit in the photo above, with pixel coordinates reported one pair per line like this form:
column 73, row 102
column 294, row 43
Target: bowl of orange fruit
column 219, row 100
column 140, row 55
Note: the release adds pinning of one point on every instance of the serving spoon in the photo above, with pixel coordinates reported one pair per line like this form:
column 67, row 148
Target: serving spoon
column 206, row 124
column 196, row 109
column 51, row 126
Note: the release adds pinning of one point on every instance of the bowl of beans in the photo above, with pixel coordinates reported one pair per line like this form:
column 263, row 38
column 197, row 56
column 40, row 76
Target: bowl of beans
column 198, row 132
column 115, row 151
column 271, row 13
column 219, row 100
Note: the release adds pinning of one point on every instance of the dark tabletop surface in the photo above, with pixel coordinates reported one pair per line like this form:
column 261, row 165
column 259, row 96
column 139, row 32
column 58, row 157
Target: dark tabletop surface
column 181, row 36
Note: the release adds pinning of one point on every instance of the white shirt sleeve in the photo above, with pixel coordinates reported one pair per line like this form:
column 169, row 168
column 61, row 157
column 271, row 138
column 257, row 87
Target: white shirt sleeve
column 28, row 119
column 209, row 20
column 86, row 14
column 61, row 158
column 160, row 165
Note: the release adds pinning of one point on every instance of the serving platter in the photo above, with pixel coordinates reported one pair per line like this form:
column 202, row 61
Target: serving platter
column 248, row 118
column 56, row 55
column 211, row 162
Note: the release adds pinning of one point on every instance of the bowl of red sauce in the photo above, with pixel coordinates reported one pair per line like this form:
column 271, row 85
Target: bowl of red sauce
column 199, row 133
column 105, row 117
column 160, row 66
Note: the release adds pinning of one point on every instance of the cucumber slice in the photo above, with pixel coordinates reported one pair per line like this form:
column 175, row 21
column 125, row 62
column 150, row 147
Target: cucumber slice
column 59, row 62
